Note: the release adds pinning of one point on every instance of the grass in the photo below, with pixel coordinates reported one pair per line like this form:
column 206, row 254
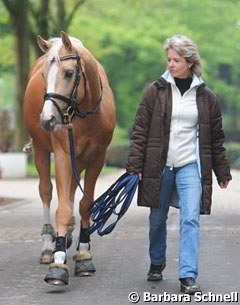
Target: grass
column 32, row 172
column 119, row 137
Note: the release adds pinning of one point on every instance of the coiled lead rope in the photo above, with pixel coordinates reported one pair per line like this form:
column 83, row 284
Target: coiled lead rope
column 114, row 202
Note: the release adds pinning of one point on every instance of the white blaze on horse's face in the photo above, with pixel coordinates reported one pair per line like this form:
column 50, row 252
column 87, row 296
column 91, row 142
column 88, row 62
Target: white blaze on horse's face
column 50, row 117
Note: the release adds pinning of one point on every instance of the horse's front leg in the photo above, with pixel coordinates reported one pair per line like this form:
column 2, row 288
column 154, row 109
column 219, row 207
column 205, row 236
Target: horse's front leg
column 83, row 258
column 58, row 270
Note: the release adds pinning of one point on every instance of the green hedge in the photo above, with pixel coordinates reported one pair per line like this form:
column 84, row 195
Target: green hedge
column 233, row 152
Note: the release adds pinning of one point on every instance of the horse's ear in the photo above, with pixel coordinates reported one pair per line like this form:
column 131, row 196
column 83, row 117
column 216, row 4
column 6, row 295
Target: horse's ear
column 66, row 41
column 43, row 44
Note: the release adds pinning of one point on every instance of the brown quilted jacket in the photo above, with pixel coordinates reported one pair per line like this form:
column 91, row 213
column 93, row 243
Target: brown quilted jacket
column 150, row 138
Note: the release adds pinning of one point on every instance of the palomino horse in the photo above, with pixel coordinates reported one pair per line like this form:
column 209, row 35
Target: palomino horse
column 68, row 89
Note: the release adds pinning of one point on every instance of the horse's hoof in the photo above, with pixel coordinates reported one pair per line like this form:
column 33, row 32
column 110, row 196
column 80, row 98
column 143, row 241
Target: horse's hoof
column 84, row 267
column 46, row 257
column 57, row 275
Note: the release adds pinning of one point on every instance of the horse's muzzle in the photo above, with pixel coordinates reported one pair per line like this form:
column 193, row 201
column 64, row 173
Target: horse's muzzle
column 49, row 125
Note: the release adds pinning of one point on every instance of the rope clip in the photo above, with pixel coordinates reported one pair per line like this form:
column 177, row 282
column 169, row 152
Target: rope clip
column 68, row 115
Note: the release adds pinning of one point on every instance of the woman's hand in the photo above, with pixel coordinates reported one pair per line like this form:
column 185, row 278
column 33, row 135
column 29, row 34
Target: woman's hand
column 139, row 174
column 223, row 184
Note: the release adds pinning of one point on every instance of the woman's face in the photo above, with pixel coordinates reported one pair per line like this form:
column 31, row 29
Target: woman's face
column 177, row 65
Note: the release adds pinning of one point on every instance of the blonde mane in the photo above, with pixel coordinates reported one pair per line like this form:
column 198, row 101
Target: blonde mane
column 53, row 53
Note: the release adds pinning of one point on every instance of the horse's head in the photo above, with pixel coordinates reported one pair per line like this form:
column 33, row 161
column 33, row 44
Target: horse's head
column 65, row 80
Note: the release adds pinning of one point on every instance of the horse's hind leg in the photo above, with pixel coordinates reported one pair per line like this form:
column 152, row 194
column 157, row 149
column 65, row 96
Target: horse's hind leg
column 83, row 258
column 42, row 161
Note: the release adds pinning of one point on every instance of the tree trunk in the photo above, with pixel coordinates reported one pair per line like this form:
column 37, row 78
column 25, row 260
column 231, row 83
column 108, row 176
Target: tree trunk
column 18, row 11
column 41, row 25
column 23, row 64
column 61, row 16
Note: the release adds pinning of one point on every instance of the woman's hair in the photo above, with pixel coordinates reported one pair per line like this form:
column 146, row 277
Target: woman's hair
column 186, row 48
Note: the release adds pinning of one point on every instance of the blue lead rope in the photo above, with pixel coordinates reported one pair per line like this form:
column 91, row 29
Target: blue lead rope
column 114, row 202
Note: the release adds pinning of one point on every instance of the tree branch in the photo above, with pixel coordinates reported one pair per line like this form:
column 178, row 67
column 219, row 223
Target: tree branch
column 10, row 6
column 72, row 13
column 33, row 12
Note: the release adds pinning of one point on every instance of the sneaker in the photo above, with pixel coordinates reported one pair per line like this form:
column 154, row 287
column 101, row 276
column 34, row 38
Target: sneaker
column 189, row 286
column 155, row 273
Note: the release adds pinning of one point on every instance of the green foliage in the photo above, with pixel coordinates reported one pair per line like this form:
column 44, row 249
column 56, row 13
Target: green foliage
column 119, row 136
column 233, row 150
column 7, row 50
column 129, row 41
column 6, row 88
column 127, row 36
column 129, row 47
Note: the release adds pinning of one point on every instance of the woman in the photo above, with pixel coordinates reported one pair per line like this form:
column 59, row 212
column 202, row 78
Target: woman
column 177, row 141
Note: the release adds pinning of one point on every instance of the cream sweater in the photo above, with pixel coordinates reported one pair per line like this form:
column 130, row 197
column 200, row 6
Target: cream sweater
column 184, row 124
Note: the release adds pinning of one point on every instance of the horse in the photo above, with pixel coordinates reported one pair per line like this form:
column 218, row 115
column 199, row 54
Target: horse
column 68, row 90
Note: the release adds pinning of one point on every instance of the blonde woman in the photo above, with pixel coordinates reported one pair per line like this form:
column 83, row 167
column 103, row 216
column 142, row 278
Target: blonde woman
column 177, row 140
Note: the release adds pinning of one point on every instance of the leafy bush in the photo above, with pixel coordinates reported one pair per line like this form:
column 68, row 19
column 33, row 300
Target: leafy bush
column 233, row 152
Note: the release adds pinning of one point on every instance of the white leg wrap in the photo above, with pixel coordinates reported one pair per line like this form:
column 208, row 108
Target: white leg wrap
column 47, row 242
column 46, row 214
column 84, row 247
column 83, row 253
column 59, row 257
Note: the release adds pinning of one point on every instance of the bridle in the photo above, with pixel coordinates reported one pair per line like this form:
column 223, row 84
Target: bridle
column 71, row 110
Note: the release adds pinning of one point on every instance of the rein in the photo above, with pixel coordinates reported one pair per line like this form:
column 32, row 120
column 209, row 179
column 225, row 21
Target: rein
column 72, row 110
column 72, row 156
column 107, row 205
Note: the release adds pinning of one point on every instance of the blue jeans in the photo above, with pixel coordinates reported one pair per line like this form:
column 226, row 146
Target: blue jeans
column 188, row 185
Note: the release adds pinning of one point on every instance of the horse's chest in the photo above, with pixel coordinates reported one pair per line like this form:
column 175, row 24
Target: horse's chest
column 87, row 151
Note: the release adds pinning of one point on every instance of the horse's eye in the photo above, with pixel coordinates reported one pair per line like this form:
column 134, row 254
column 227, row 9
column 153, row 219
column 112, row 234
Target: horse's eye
column 69, row 73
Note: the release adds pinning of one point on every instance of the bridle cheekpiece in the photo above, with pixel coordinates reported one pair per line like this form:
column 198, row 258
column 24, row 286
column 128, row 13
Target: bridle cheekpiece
column 71, row 110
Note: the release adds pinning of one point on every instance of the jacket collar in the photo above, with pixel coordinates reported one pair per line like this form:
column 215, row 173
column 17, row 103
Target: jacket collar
column 197, row 81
